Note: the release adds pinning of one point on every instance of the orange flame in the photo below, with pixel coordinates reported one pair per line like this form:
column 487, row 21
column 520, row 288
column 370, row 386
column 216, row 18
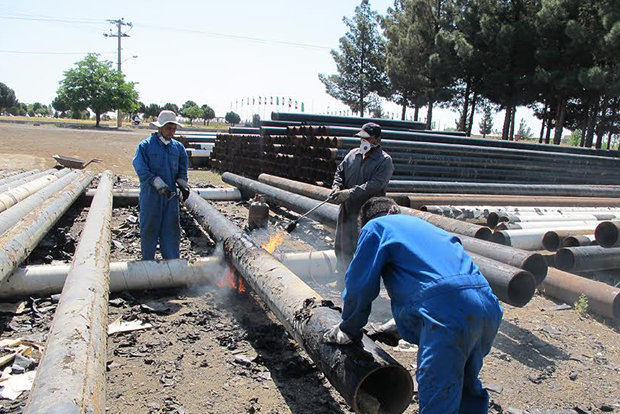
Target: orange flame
column 274, row 242
column 232, row 281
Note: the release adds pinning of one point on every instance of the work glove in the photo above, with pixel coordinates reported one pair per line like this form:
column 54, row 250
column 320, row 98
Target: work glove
column 335, row 336
column 184, row 188
column 162, row 188
column 335, row 189
column 341, row 196
column 386, row 333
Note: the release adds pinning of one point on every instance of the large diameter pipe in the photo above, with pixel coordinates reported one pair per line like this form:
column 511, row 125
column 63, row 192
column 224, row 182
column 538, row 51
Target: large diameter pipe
column 417, row 200
column 526, row 239
column 346, row 120
column 530, row 261
column 10, row 217
column 607, row 234
column 327, row 213
column 17, row 242
column 567, row 225
column 587, row 258
column 45, row 280
column 578, row 240
column 552, row 240
column 25, row 179
column 130, row 196
column 13, row 196
column 17, row 176
column 360, row 373
column 451, row 225
column 510, row 284
column 71, row 375
column 567, row 287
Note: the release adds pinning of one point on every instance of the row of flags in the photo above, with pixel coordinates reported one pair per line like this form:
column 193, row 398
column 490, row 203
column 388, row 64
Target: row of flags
column 271, row 100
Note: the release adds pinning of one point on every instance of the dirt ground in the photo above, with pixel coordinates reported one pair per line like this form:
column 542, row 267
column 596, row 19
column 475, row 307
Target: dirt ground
column 215, row 350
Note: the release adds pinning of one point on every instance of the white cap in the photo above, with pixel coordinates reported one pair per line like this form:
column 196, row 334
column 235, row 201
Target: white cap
column 166, row 117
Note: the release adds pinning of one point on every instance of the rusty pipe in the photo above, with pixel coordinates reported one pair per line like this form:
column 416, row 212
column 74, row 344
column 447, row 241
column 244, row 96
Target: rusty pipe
column 567, row 287
column 552, row 240
column 451, row 225
column 360, row 373
column 607, row 234
column 417, row 200
column 587, row 258
column 577, row 240
column 71, row 375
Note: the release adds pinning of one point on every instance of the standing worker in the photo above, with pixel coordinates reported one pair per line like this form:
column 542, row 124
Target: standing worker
column 161, row 165
column 363, row 173
column 439, row 298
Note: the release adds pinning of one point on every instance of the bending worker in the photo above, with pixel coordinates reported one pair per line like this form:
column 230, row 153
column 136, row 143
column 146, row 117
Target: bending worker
column 161, row 164
column 439, row 299
column 363, row 173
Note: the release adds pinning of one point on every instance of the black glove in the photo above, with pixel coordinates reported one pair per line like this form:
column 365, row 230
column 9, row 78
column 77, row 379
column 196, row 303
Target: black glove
column 386, row 333
column 162, row 188
column 184, row 188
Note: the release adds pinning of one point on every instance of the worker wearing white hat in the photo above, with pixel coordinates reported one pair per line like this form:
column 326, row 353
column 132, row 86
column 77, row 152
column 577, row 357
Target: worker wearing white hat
column 161, row 164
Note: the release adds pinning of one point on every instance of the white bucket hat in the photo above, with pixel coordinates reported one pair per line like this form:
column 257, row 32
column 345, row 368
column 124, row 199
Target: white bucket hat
column 166, row 117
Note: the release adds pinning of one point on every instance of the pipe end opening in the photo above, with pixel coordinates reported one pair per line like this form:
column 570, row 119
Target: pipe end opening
column 387, row 390
column 536, row 265
column 521, row 289
column 606, row 234
column 564, row 259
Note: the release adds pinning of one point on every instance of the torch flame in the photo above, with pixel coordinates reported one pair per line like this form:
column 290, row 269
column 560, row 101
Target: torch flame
column 274, row 242
column 232, row 281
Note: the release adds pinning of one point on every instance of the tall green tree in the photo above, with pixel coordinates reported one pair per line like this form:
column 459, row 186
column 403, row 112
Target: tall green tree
column 360, row 61
column 152, row 110
column 61, row 106
column 192, row 112
column 93, row 84
column 232, row 118
column 171, row 107
column 207, row 114
column 7, row 97
column 486, row 123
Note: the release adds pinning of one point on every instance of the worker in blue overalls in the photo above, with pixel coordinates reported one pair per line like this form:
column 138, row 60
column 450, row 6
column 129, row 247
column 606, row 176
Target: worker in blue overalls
column 440, row 301
column 161, row 164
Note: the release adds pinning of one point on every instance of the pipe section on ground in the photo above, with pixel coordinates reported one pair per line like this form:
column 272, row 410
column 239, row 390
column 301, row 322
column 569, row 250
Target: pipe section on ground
column 607, row 234
column 567, row 287
column 365, row 375
column 18, row 241
column 587, row 258
column 13, row 196
column 71, row 375
column 510, row 284
column 451, row 225
column 13, row 177
column 418, row 200
column 130, row 196
column 552, row 240
column 26, row 179
column 45, row 280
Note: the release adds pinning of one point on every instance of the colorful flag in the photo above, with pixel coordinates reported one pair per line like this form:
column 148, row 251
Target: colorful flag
column 271, row 100
column 260, row 100
column 277, row 100
column 290, row 102
column 302, row 107
column 253, row 100
column 295, row 105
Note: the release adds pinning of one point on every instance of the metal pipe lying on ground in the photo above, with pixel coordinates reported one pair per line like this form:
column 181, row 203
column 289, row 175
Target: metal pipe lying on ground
column 567, row 287
column 417, row 200
column 552, row 240
column 11, row 216
column 364, row 374
column 326, row 214
column 528, row 239
column 578, row 240
column 25, row 179
column 567, row 225
column 13, row 177
column 45, row 280
column 130, row 196
column 71, row 375
column 18, row 241
column 607, row 234
column 451, row 225
column 510, row 284
column 587, row 258
column 16, row 194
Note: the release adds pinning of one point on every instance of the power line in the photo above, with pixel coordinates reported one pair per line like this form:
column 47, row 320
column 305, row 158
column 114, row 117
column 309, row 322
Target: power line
column 54, row 19
column 24, row 52
column 119, row 34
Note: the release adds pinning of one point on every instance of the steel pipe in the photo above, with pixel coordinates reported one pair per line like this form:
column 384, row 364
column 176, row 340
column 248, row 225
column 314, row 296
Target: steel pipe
column 549, row 217
column 16, row 194
column 567, row 225
column 17, row 242
column 346, row 120
column 578, row 240
column 327, row 213
column 130, row 196
column 25, row 179
column 552, row 240
column 361, row 373
column 45, row 280
column 567, row 287
column 451, row 225
column 510, row 284
column 530, row 261
column 71, row 375
column 607, row 234
column 417, row 200
column 530, row 239
column 13, row 177
column 587, row 258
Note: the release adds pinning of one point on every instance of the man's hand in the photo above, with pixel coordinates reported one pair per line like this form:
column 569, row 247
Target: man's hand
column 184, row 187
column 336, row 336
column 161, row 187
column 386, row 333
column 341, row 196
column 335, row 189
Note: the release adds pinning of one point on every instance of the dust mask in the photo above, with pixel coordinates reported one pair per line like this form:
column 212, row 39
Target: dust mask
column 365, row 146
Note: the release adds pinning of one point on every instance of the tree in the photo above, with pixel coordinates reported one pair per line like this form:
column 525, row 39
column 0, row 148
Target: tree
column 93, row 84
column 232, row 118
column 7, row 98
column 486, row 123
column 207, row 114
column 191, row 112
column 186, row 105
column 524, row 132
column 255, row 121
column 152, row 110
column 60, row 106
column 360, row 62
column 171, row 107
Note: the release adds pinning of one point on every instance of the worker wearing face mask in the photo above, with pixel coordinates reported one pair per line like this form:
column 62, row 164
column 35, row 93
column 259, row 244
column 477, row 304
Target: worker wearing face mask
column 363, row 173
column 161, row 164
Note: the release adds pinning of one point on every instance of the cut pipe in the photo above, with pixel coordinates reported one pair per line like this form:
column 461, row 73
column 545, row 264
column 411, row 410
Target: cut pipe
column 587, row 258
column 13, row 196
column 452, row 225
column 360, row 373
column 71, row 375
column 607, row 234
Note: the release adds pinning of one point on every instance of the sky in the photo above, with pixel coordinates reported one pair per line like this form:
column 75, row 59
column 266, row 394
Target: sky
column 218, row 53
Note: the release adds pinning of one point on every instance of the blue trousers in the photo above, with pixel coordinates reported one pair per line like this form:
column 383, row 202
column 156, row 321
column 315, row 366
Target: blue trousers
column 454, row 332
column 159, row 222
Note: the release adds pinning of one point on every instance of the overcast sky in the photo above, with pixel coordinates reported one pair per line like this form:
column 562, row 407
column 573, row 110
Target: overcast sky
column 213, row 52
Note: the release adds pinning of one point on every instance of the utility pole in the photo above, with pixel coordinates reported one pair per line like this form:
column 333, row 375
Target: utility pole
column 119, row 34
